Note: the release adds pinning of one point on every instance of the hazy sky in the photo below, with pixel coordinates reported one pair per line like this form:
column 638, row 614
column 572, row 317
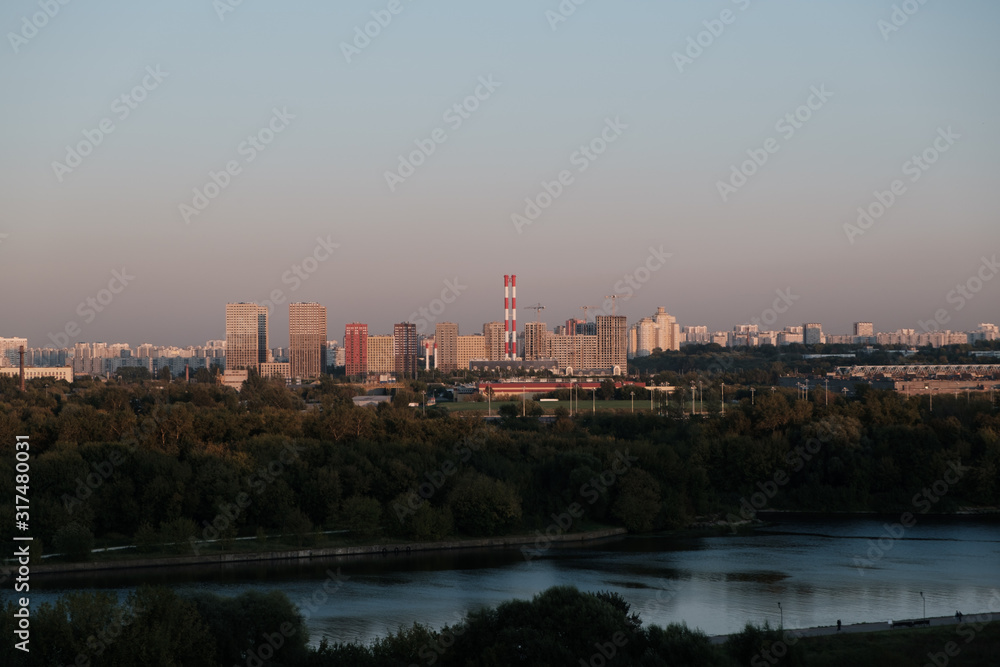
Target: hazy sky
column 309, row 117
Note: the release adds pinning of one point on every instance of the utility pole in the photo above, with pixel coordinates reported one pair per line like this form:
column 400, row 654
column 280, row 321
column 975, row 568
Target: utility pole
column 723, row 399
column 827, row 381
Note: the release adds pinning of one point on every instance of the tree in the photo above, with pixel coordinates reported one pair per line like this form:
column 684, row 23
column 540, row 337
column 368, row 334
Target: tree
column 361, row 514
column 638, row 502
column 482, row 505
column 254, row 625
column 162, row 629
column 74, row 541
column 132, row 374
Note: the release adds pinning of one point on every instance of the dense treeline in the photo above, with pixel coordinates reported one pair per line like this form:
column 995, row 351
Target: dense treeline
column 560, row 626
column 167, row 462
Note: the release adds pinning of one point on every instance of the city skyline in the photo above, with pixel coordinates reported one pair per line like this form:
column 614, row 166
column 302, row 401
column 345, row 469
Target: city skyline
column 713, row 155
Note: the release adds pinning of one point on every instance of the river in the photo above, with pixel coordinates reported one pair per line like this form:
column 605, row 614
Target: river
column 812, row 566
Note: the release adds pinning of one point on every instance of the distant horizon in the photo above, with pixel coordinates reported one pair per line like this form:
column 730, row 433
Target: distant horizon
column 332, row 333
column 165, row 160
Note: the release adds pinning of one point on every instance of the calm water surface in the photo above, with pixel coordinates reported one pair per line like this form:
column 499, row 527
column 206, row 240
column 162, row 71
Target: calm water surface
column 713, row 583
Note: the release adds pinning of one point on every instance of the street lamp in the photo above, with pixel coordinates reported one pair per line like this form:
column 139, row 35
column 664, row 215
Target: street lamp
column 930, row 395
column 593, row 400
column 752, row 389
column 723, row 399
column 925, row 603
column 692, row 399
column 632, row 394
column 781, row 611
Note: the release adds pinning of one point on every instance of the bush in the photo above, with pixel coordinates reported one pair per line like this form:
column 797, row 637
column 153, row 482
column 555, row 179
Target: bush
column 74, row 541
column 178, row 533
column 484, row 506
column 361, row 515
column 146, row 539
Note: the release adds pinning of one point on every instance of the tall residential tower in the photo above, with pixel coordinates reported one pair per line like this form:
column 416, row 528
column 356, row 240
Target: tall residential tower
column 307, row 340
column 246, row 336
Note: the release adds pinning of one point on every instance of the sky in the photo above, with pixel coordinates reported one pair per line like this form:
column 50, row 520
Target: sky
column 158, row 160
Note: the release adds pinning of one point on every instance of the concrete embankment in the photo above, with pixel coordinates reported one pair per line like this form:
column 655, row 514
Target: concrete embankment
column 387, row 548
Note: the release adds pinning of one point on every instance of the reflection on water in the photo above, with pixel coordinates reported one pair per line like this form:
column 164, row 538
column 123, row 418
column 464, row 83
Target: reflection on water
column 714, row 583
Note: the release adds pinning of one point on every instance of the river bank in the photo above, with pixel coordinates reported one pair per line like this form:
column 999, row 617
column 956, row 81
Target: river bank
column 367, row 550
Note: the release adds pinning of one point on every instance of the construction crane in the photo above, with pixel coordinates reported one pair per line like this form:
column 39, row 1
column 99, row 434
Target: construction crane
column 614, row 301
column 585, row 309
column 537, row 308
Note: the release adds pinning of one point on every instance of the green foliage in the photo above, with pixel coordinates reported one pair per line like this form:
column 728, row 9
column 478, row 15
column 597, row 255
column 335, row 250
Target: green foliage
column 361, row 514
column 146, row 539
column 484, row 506
column 638, row 503
column 176, row 534
column 244, row 624
column 113, row 457
column 74, row 541
column 750, row 644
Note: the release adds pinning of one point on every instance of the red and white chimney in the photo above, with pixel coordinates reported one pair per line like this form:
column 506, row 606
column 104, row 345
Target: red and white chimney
column 513, row 317
column 506, row 317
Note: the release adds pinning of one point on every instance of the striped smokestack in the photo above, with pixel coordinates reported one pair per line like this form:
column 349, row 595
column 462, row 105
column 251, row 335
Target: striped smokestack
column 513, row 316
column 506, row 317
